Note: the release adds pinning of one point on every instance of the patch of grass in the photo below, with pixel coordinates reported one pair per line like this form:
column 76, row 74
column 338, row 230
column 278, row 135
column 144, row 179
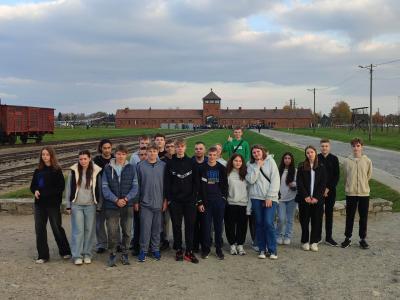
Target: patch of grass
column 378, row 190
column 387, row 139
column 21, row 193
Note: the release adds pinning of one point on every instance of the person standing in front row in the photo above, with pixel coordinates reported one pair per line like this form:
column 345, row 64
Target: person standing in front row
column 48, row 185
column 119, row 186
column 181, row 190
column 287, row 203
column 357, row 173
column 151, row 202
column 82, row 197
column 331, row 164
column 311, row 184
column 238, row 198
column 105, row 155
column 263, row 178
column 213, row 190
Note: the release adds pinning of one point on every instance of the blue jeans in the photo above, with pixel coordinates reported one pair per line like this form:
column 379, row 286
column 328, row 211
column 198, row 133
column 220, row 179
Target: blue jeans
column 265, row 228
column 286, row 210
column 83, row 230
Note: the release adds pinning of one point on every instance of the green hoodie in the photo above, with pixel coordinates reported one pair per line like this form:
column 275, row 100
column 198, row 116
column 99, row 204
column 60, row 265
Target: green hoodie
column 243, row 149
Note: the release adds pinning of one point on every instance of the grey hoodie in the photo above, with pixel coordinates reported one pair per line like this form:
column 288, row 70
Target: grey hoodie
column 259, row 187
column 151, row 184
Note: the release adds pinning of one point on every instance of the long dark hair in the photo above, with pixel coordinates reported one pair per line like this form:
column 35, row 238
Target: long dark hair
column 89, row 171
column 306, row 163
column 242, row 169
column 53, row 158
column 291, row 168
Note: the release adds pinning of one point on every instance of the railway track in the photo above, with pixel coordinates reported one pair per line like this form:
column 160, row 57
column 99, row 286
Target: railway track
column 17, row 175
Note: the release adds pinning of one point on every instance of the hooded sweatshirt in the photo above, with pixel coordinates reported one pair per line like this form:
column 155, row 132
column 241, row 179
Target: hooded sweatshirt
column 151, row 184
column 357, row 173
column 116, row 186
column 260, row 188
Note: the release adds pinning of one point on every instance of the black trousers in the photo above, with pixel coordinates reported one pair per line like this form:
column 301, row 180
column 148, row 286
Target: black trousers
column 136, row 230
column 197, row 232
column 352, row 203
column 53, row 215
column 328, row 210
column 313, row 213
column 187, row 212
column 235, row 224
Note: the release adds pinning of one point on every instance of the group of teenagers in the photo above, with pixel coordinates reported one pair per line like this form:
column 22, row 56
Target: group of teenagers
column 119, row 204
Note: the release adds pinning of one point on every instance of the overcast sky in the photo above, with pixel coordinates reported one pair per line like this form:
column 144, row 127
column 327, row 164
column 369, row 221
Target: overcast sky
column 91, row 55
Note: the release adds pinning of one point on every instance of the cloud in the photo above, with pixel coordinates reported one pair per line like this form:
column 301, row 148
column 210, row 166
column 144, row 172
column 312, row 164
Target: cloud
column 75, row 55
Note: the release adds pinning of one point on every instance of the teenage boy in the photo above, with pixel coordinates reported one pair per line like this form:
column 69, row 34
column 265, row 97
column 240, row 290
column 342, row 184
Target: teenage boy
column 213, row 190
column 120, row 186
column 170, row 149
column 135, row 246
column 357, row 173
column 198, row 159
column 144, row 140
column 159, row 140
column 180, row 186
column 105, row 155
column 237, row 145
column 151, row 201
column 331, row 164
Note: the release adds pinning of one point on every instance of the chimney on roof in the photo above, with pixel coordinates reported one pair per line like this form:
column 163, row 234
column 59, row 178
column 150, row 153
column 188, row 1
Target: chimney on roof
column 265, row 109
column 240, row 108
column 150, row 108
column 227, row 108
column 276, row 109
column 291, row 103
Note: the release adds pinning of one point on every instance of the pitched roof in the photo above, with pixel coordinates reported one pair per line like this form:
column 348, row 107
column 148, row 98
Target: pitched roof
column 211, row 96
column 264, row 113
column 159, row 113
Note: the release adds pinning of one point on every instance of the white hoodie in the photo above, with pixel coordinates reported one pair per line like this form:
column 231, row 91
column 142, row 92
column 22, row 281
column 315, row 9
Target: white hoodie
column 260, row 188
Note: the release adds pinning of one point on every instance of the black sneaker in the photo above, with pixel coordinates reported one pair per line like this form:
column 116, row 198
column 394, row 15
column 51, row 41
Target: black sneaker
column 112, row 260
column 205, row 254
column 220, row 254
column 179, row 255
column 100, row 250
column 164, row 245
column 346, row 243
column 189, row 256
column 331, row 242
column 364, row 244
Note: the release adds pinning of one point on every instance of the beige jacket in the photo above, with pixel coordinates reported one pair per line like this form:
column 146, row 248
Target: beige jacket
column 357, row 173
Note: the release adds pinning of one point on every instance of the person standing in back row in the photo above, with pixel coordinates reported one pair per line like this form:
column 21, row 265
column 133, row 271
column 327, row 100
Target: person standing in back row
column 357, row 173
column 105, row 155
column 331, row 164
column 237, row 145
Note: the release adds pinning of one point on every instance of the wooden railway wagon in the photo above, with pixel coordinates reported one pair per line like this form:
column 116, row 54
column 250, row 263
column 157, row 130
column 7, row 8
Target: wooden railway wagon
column 25, row 122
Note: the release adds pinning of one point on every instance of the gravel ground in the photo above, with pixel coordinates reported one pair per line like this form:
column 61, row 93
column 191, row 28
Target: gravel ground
column 331, row 273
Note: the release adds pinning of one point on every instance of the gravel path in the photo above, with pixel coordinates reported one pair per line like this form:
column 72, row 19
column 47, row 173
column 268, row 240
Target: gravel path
column 332, row 273
column 386, row 163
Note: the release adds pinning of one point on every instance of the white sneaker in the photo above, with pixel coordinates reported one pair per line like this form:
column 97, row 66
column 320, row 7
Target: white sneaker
column 241, row 250
column 233, row 250
column 87, row 260
column 305, row 246
column 279, row 241
column 78, row 261
column 286, row 241
column 67, row 256
column 40, row 261
column 314, row 247
column 262, row 255
column 273, row 256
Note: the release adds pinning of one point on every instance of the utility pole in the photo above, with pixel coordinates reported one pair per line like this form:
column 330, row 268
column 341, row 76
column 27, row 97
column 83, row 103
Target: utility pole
column 371, row 70
column 314, row 121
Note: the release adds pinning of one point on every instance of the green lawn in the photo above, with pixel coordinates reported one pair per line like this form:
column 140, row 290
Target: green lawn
column 276, row 148
column 387, row 140
column 81, row 133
